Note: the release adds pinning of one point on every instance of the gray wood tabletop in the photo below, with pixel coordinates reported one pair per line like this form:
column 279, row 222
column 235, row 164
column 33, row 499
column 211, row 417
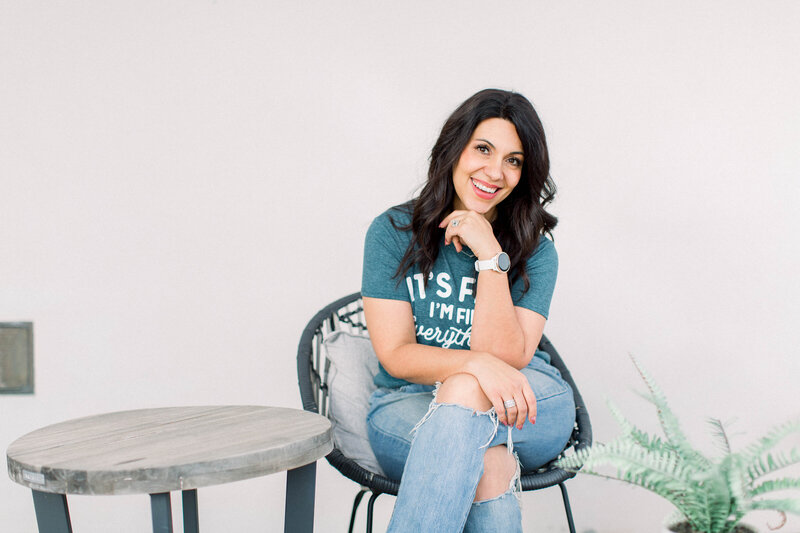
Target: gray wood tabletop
column 167, row 449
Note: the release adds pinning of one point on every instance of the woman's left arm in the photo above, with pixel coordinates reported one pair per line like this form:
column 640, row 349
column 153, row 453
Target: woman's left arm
column 509, row 333
column 498, row 327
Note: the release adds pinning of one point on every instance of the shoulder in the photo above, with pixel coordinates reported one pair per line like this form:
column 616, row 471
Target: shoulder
column 544, row 255
column 392, row 221
column 399, row 215
column 542, row 270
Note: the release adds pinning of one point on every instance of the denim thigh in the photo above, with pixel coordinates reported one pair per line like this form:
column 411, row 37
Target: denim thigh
column 537, row 444
column 394, row 413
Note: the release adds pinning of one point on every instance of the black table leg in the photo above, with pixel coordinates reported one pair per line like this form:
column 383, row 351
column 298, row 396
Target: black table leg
column 52, row 513
column 162, row 512
column 299, row 513
column 190, row 515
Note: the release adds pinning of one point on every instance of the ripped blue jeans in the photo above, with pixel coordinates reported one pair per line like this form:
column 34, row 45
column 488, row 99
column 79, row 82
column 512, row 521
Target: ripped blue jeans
column 441, row 462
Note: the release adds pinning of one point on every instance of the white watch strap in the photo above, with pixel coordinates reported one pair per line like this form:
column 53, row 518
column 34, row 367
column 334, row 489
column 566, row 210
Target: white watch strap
column 486, row 264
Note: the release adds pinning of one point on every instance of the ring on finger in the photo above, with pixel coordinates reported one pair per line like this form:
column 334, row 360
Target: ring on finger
column 456, row 222
column 510, row 403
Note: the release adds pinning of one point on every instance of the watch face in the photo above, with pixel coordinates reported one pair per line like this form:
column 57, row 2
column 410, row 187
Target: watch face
column 503, row 262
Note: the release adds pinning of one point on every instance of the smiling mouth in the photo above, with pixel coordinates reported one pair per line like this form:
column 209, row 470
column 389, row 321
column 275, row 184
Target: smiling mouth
column 484, row 190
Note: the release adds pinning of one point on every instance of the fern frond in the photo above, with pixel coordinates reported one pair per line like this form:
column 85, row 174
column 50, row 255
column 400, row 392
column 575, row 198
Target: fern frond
column 761, row 466
column 773, row 437
column 642, row 438
column 685, row 499
column 571, row 463
column 662, row 473
column 787, row 505
column 627, row 427
column 720, row 500
column 719, row 434
column 667, row 419
column 732, row 471
column 712, row 495
column 775, row 485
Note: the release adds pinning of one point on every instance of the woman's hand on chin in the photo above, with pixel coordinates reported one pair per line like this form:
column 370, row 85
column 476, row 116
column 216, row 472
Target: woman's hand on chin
column 473, row 230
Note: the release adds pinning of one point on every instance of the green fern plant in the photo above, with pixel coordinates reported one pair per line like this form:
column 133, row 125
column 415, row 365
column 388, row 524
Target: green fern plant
column 711, row 494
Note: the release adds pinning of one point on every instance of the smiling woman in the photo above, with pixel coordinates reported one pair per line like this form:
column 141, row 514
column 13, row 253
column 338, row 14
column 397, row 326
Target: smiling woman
column 459, row 337
column 489, row 167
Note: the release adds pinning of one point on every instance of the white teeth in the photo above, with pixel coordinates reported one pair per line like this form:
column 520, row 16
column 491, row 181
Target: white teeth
column 484, row 188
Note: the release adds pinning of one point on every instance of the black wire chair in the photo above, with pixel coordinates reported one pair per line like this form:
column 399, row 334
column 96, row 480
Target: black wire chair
column 312, row 369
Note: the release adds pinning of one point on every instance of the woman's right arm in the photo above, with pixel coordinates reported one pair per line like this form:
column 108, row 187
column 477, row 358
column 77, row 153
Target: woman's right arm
column 391, row 329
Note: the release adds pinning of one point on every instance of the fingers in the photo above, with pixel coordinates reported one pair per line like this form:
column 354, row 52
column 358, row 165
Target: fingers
column 511, row 415
column 530, row 401
column 507, row 389
column 517, row 413
column 468, row 228
column 451, row 236
column 452, row 231
column 499, row 408
column 449, row 218
column 522, row 410
column 524, row 407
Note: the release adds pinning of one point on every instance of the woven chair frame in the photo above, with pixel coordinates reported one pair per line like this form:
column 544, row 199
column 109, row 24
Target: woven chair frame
column 312, row 369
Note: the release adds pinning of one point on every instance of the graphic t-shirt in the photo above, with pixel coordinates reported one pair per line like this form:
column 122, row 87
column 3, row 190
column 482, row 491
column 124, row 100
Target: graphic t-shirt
column 443, row 309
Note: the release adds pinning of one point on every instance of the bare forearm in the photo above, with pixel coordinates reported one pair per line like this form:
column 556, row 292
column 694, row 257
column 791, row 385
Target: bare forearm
column 495, row 328
column 427, row 365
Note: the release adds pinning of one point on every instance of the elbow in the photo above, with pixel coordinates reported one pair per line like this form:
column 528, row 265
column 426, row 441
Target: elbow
column 508, row 347
column 393, row 370
column 521, row 360
column 513, row 353
column 391, row 360
column 524, row 360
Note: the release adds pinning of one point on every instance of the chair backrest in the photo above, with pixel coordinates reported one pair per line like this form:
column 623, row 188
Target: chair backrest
column 347, row 314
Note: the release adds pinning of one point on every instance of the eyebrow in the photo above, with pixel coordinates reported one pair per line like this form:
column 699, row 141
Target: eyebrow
column 487, row 141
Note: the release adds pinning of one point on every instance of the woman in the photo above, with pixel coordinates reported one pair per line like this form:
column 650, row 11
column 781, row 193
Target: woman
column 457, row 286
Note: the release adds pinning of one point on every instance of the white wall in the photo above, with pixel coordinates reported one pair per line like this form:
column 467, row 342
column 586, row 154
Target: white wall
column 183, row 184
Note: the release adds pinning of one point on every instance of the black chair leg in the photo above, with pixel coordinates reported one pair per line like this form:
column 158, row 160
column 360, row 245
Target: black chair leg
column 369, row 510
column 567, row 508
column 356, row 503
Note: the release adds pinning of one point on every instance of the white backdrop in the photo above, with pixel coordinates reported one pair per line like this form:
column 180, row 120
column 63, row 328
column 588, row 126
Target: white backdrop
column 183, row 184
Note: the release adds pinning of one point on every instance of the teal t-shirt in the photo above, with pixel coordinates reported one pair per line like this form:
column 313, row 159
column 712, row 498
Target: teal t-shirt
column 443, row 309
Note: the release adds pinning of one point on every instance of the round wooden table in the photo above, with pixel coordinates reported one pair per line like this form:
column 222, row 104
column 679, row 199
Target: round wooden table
column 155, row 451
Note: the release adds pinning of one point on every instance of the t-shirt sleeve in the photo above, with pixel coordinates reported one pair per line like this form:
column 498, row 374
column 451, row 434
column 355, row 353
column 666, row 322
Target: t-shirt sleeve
column 542, row 269
column 383, row 250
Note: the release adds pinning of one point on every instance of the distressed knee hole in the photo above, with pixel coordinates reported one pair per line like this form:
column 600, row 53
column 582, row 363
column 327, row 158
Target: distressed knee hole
column 463, row 389
column 500, row 473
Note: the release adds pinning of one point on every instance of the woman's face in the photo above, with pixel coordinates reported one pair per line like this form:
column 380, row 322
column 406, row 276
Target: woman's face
column 489, row 167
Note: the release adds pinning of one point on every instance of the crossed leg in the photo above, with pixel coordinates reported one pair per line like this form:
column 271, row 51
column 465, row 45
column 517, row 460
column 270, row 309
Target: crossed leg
column 499, row 466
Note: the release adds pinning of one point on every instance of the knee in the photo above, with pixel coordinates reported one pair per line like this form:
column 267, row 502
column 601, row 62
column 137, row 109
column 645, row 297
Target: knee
column 463, row 389
column 499, row 469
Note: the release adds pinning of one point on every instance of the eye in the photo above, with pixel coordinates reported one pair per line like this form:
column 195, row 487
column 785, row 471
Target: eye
column 515, row 161
column 482, row 148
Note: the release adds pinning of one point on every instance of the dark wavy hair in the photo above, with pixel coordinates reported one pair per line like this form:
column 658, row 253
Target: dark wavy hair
column 521, row 217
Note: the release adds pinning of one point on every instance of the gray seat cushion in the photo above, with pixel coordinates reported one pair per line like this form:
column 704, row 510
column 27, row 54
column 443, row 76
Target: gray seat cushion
column 353, row 367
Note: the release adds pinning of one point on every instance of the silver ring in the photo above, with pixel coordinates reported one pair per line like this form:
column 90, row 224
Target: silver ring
column 509, row 404
column 456, row 222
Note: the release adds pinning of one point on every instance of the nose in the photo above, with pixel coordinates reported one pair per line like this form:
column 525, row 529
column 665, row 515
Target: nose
column 494, row 169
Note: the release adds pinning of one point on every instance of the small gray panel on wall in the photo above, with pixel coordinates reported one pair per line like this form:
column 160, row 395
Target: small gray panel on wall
column 16, row 358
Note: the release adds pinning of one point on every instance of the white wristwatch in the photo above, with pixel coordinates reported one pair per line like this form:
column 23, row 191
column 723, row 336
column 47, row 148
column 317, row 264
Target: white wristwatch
column 499, row 263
